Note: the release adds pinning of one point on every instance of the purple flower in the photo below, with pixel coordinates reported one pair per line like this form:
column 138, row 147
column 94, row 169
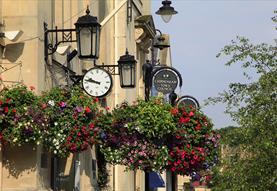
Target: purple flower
column 27, row 132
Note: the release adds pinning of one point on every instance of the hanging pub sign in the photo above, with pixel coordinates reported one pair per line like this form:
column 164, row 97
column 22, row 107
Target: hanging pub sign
column 166, row 79
column 188, row 100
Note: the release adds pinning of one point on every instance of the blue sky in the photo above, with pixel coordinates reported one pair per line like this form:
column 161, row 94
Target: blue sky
column 200, row 30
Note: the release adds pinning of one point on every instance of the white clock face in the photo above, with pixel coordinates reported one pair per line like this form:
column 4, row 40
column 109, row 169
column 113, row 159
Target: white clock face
column 97, row 82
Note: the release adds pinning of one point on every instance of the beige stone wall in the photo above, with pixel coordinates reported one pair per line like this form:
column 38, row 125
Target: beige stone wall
column 20, row 168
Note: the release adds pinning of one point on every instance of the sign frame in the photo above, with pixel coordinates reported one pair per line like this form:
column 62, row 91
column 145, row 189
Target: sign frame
column 171, row 71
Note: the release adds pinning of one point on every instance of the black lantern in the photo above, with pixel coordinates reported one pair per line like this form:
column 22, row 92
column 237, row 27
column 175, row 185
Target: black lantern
column 127, row 70
column 87, row 35
column 166, row 11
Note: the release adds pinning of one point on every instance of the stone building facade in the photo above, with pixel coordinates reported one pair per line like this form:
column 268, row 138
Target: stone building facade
column 125, row 24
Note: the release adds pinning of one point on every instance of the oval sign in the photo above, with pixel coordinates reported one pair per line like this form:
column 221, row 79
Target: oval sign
column 165, row 80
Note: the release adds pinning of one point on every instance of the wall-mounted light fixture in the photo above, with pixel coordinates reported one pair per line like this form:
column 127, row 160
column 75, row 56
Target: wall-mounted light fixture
column 87, row 30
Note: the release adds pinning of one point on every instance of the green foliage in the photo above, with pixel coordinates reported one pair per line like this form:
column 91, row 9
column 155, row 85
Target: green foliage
column 153, row 118
column 251, row 164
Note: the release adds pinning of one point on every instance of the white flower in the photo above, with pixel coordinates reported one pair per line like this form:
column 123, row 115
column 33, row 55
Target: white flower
column 55, row 152
column 55, row 123
column 38, row 143
column 14, row 140
column 51, row 102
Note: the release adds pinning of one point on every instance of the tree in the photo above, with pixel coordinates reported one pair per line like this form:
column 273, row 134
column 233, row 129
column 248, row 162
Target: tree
column 252, row 165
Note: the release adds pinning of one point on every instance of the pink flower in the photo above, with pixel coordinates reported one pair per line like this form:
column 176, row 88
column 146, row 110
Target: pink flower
column 191, row 113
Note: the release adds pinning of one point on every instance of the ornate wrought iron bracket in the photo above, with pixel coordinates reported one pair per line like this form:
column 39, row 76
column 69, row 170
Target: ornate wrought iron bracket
column 66, row 35
column 109, row 68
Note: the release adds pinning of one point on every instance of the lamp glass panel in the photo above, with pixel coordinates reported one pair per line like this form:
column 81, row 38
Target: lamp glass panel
column 126, row 75
column 85, row 41
column 166, row 18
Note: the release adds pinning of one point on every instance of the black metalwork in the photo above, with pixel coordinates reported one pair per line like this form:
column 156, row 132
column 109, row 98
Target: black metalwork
column 73, row 35
column 60, row 36
column 110, row 68
column 147, row 69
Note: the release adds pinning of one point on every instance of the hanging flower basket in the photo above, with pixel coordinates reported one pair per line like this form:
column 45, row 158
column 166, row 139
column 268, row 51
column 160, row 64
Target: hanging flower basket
column 133, row 135
column 20, row 120
column 193, row 147
column 71, row 126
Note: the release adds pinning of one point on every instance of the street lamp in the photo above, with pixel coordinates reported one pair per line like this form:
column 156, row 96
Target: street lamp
column 127, row 70
column 166, row 11
column 87, row 36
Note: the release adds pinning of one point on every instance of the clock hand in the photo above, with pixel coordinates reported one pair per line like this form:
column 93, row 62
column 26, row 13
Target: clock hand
column 92, row 81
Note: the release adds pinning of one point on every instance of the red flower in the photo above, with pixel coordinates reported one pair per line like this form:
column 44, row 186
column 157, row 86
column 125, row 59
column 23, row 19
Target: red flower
column 1, row 102
column 32, row 88
column 174, row 111
column 198, row 127
column 14, row 110
column 79, row 134
column 87, row 109
column 96, row 100
column 178, row 136
column 91, row 126
column 184, row 120
column 173, row 169
column 107, row 108
column 188, row 146
column 6, row 109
